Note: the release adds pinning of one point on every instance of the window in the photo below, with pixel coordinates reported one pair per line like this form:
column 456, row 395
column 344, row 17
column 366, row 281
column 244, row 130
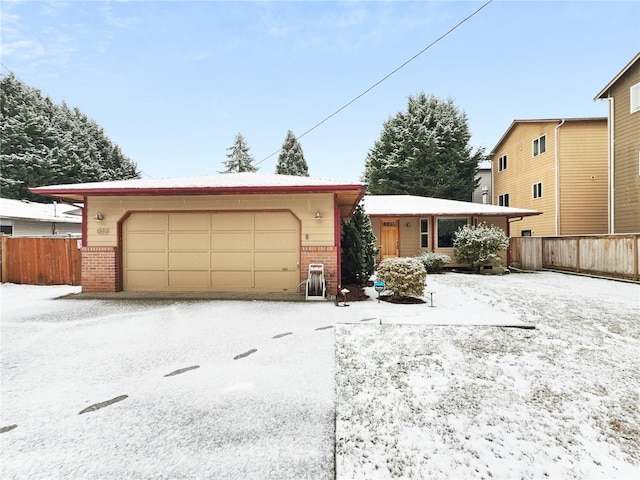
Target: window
column 539, row 145
column 503, row 200
column 6, row 227
column 537, row 190
column 502, row 163
column 635, row 98
column 424, row 233
column 525, row 233
column 447, row 228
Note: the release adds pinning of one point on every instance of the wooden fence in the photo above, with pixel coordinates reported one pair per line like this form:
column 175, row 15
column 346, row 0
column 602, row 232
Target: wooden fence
column 41, row 260
column 613, row 256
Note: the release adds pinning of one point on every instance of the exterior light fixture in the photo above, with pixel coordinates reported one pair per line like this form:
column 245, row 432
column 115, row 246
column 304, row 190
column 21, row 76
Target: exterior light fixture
column 318, row 215
column 99, row 217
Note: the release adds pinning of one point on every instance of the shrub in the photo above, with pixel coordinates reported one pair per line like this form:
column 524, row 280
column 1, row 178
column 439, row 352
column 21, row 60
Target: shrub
column 403, row 277
column 433, row 262
column 479, row 245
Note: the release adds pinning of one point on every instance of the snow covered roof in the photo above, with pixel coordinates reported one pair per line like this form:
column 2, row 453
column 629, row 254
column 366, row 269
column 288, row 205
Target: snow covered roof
column 228, row 182
column 399, row 205
column 39, row 212
column 348, row 193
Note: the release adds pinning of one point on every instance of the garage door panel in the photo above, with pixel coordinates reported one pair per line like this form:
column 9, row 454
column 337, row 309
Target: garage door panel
column 189, row 221
column 232, row 241
column 231, row 261
column 146, row 241
column 277, row 281
column 276, row 260
column 146, row 260
column 189, row 279
column 229, row 281
column 275, row 220
column 189, row 241
column 275, row 241
column 144, row 280
column 188, row 260
column 238, row 221
column 144, row 222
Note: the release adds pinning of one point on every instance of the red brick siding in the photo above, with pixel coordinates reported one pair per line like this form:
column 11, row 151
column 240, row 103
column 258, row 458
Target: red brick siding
column 325, row 255
column 100, row 269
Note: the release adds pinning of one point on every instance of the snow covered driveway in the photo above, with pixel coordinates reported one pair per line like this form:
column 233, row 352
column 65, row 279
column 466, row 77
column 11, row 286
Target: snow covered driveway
column 266, row 415
column 424, row 399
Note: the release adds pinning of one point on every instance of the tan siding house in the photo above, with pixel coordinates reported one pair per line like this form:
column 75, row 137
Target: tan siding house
column 240, row 232
column 407, row 225
column 557, row 167
column 623, row 95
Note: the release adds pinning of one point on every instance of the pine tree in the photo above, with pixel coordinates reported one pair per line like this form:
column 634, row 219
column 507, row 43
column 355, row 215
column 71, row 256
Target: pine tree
column 424, row 151
column 358, row 254
column 240, row 160
column 291, row 159
column 44, row 144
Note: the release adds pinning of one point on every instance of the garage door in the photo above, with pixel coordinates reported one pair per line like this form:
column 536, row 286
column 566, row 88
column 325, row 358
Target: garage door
column 243, row 251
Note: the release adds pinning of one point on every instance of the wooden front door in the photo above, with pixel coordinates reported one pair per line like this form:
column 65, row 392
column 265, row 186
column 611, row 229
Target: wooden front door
column 390, row 238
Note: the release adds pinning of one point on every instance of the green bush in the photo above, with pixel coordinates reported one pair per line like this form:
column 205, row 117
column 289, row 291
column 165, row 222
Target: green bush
column 479, row 245
column 432, row 261
column 403, row 277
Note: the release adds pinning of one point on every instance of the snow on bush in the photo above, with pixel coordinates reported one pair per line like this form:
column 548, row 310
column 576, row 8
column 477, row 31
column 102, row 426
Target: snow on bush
column 404, row 277
column 432, row 261
column 479, row 245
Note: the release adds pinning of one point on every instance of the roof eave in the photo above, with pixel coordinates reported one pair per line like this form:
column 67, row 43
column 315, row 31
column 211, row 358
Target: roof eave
column 601, row 95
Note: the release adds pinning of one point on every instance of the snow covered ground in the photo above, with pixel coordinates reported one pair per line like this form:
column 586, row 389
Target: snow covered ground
column 419, row 391
column 445, row 395
column 267, row 415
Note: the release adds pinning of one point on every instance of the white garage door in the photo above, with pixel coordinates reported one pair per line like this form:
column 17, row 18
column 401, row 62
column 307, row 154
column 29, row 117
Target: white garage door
column 230, row 251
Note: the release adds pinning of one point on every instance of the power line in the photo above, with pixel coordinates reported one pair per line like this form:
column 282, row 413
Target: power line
column 385, row 77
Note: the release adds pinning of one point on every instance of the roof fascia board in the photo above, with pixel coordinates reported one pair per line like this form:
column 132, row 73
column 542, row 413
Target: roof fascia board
column 601, row 94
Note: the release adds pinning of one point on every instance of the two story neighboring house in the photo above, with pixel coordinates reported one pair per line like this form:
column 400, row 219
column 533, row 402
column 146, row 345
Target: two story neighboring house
column 555, row 166
column 623, row 95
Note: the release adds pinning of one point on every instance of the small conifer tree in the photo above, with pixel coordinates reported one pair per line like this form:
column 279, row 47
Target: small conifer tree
column 240, row 160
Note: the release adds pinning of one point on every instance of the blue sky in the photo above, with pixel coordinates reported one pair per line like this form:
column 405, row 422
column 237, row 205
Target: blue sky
column 172, row 82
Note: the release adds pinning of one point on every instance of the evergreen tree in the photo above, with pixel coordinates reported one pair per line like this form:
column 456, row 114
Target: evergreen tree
column 45, row 144
column 240, row 160
column 424, row 151
column 291, row 159
column 358, row 251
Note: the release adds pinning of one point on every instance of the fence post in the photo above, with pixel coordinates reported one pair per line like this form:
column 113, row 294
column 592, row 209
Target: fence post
column 3, row 258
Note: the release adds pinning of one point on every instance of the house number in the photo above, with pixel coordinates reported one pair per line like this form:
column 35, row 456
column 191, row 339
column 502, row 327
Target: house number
column 103, row 231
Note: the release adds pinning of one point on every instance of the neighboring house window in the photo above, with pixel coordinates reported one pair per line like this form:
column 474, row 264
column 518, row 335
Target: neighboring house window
column 6, row 227
column 539, row 145
column 537, row 190
column 525, row 233
column 503, row 200
column 635, row 98
column 502, row 163
column 447, row 228
column 424, row 233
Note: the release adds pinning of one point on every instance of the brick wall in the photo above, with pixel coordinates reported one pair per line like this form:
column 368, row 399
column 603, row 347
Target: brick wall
column 325, row 255
column 100, row 269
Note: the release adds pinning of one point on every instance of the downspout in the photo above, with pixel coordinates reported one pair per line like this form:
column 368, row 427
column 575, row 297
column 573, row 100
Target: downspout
column 557, row 175
column 610, row 193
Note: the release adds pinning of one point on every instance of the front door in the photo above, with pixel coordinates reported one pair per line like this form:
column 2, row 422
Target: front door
column 389, row 238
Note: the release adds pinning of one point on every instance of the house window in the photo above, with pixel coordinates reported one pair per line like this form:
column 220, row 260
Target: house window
column 503, row 200
column 424, row 233
column 525, row 233
column 502, row 163
column 635, row 98
column 539, row 145
column 447, row 228
column 6, row 227
column 537, row 190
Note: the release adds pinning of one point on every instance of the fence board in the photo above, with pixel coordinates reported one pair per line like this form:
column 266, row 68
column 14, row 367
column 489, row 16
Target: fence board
column 613, row 256
column 41, row 260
